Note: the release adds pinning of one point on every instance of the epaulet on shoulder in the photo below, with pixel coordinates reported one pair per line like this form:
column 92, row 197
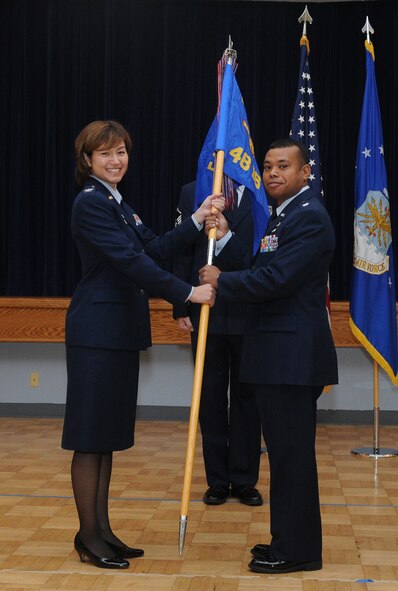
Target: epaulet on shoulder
column 311, row 203
column 313, row 207
column 91, row 190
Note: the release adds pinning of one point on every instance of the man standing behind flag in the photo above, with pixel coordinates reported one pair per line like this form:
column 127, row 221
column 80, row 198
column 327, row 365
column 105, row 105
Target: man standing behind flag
column 229, row 421
column 288, row 354
column 373, row 307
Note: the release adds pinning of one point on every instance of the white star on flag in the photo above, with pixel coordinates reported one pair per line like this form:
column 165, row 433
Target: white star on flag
column 304, row 128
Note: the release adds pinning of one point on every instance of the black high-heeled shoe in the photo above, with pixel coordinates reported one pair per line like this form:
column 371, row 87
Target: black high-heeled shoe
column 126, row 551
column 102, row 562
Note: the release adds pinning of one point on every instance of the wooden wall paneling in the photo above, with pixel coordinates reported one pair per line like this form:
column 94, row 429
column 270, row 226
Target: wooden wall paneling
column 42, row 320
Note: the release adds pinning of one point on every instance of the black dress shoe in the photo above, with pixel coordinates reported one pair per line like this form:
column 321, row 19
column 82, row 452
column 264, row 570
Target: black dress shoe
column 248, row 495
column 216, row 495
column 102, row 562
column 260, row 550
column 125, row 551
column 270, row 564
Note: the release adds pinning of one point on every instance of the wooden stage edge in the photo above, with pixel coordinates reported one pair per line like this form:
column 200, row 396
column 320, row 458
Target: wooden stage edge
column 42, row 320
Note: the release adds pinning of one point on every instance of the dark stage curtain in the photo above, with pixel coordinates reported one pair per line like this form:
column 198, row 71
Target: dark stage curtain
column 153, row 66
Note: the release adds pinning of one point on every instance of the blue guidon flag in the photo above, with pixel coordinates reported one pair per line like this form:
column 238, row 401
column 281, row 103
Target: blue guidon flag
column 373, row 303
column 230, row 132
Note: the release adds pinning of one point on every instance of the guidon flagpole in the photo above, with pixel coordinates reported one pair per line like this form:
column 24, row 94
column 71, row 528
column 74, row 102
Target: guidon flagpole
column 229, row 56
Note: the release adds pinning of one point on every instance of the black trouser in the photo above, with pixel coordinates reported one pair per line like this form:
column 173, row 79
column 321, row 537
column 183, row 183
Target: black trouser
column 288, row 419
column 230, row 425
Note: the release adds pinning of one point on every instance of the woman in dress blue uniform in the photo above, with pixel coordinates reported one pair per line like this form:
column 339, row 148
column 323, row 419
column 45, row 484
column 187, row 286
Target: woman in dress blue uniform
column 108, row 324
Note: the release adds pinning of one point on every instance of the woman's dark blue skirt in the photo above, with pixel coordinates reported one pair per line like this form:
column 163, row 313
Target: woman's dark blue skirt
column 101, row 399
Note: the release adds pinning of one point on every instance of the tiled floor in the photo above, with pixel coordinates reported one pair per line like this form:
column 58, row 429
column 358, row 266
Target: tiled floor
column 359, row 497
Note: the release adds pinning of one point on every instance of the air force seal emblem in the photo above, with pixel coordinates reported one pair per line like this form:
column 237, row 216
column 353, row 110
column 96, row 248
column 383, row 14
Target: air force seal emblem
column 372, row 233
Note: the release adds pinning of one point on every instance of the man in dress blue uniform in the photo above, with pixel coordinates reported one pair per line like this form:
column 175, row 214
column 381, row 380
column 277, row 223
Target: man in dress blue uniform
column 229, row 421
column 288, row 354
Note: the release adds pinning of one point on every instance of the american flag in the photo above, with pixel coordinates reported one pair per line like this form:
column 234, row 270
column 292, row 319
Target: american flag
column 304, row 130
column 304, row 127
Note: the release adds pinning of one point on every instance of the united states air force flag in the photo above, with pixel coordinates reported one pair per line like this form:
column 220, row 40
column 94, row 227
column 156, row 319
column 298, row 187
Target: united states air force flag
column 372, row 306
column 304, row 127
column 230, row 132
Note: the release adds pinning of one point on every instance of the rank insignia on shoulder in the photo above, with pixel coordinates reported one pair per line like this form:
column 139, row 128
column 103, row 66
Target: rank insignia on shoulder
column 89, row 189
column 269, row 243
column 137, row 219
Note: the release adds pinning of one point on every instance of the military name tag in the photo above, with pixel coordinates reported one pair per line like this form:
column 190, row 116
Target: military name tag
column 269, row 243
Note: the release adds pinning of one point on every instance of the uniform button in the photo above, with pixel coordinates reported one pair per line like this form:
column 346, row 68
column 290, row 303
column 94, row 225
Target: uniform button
column 142, row 292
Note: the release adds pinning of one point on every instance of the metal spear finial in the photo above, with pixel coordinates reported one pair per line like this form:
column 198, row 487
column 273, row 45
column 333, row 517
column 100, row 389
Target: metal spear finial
column 181, row 533
column 367, row 28
column 230, row 54
column 305, row 18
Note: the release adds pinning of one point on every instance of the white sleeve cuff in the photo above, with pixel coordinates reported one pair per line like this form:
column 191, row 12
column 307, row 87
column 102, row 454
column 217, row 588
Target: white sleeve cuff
column 221, row 243
column 190, row 293
column 195, row 221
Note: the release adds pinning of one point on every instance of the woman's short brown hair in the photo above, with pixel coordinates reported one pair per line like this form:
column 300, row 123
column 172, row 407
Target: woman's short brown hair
column 92, row 137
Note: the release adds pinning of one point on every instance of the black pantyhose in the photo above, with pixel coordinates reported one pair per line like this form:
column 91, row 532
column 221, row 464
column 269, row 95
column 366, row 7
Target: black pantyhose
column 91, row 474
column 103, row 499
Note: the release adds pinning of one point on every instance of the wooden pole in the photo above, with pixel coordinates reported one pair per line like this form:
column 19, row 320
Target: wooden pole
column 198, row 372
